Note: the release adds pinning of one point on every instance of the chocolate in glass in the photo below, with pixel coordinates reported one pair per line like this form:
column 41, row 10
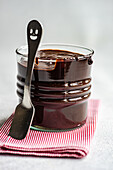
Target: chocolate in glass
column 60, row 87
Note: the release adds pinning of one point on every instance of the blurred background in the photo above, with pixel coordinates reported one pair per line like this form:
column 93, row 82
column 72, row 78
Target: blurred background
column 87, row 23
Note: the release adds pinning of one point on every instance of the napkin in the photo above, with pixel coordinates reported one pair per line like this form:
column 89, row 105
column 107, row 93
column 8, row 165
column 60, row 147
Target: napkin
column 74, row 143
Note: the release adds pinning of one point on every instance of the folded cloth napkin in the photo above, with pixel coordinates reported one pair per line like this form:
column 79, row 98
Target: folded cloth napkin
column 74, row 143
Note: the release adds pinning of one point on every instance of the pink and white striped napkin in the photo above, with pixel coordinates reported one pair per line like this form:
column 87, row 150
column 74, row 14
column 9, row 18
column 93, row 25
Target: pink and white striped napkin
column 73, row 143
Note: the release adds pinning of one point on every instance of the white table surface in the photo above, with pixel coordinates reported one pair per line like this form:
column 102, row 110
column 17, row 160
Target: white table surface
column 87, row 22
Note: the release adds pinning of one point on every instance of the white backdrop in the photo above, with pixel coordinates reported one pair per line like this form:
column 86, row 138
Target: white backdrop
column 87, row 23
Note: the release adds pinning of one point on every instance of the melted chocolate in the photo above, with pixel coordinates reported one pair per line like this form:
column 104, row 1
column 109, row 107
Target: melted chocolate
column 60, row 88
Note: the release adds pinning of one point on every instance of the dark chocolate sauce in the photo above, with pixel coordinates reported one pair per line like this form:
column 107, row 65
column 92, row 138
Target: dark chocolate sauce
column 60, row 88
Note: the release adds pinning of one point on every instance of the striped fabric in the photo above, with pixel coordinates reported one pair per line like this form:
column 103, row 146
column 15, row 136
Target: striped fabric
column 73, row 143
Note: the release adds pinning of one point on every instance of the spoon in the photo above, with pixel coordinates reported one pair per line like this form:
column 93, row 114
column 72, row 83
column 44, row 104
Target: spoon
column 24, row 112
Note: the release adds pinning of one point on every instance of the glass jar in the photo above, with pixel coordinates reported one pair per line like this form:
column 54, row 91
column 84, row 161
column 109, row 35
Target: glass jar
column 60, row 86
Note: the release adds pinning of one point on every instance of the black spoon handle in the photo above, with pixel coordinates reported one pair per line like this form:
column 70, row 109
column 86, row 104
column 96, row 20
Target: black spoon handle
column 34, row 33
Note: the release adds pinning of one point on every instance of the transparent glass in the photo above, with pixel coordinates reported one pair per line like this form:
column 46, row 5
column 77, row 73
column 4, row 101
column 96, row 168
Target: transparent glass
column 60, row 87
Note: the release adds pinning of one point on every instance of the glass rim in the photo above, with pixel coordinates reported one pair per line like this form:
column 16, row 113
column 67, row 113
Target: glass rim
column 91, row 51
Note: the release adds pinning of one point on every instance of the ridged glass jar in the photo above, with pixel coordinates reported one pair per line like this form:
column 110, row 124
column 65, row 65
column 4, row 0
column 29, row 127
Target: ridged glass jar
column 60, row 87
